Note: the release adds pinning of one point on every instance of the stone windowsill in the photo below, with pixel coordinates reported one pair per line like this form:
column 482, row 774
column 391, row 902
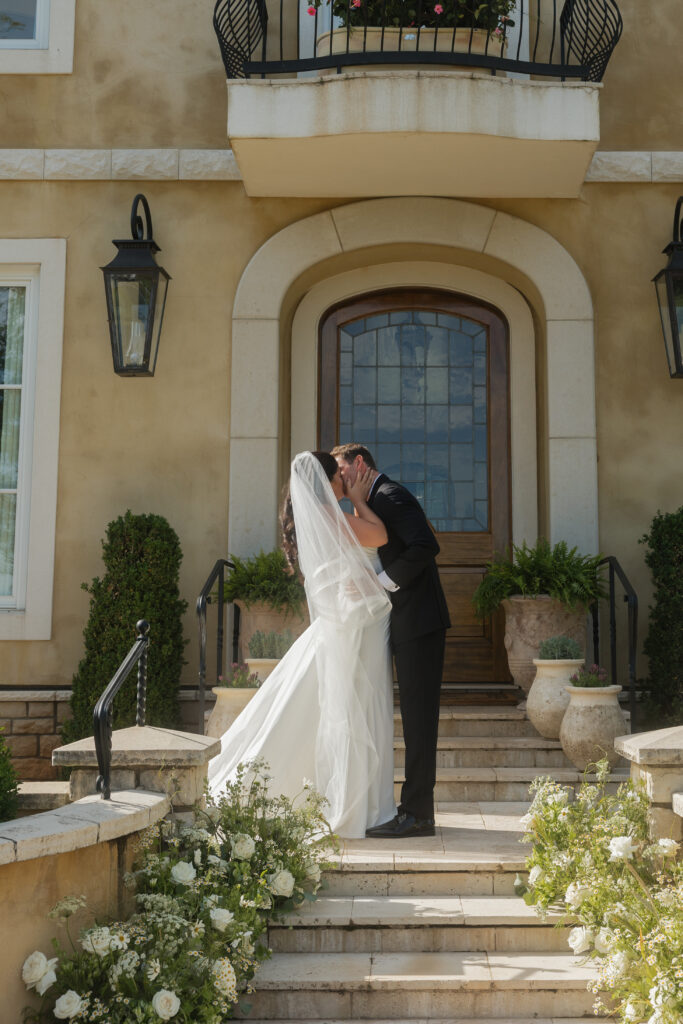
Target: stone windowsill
column 85, row 823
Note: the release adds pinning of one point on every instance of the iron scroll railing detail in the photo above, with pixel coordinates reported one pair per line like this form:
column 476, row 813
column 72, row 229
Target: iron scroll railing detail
column 616, row 573
column 102, row 715
column 216, row 576
column 566, row 39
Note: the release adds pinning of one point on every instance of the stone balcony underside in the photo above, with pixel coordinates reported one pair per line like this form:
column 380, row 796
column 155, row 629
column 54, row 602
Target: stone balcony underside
column 413, row 133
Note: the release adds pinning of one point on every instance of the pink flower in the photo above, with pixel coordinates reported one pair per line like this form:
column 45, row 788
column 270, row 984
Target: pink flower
column 356, row 3
column 438, row 9
column 312, row 10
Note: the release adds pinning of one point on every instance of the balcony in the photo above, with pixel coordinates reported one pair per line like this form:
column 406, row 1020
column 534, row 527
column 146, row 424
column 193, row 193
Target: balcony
column 415, row 97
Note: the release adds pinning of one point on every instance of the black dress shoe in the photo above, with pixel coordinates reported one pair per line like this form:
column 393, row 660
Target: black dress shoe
column 403, row 826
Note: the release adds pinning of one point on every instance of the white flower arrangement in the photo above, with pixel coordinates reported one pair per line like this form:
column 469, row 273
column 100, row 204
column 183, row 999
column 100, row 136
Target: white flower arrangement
column 204, row 896
column 593, row 861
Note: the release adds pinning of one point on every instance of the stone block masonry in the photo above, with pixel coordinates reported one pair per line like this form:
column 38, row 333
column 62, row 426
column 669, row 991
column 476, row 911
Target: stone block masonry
column 31, row 720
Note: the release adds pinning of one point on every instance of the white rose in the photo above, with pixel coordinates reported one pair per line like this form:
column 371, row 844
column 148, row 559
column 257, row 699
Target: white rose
column 165, row 1004
column 242, row 846
column 98, row 941
column 580, row 939
column 632, row 1011
column 667, row 847
column 621, row 848
column 46, row 982
column 35, row 966
column 183, row 872
column 536, row 874
column 68, row 1005
column 313, row 871
column 281, row 883
column 220, row 918
column 197, row 857
column 217, row 862
column 604, row 940
column 526, row 820
column 575, row 895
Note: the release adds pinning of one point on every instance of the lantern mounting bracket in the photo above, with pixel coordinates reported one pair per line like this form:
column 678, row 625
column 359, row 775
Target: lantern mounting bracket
column 137, row 228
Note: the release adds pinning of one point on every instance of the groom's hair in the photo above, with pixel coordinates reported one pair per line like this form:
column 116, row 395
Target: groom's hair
column 348, row 453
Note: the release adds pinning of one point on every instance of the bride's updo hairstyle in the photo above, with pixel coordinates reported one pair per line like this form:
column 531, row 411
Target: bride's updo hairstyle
column 289, row 545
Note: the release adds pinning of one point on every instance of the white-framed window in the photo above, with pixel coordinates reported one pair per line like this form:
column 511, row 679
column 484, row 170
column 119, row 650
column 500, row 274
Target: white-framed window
column 37, row 37
column 32, row 278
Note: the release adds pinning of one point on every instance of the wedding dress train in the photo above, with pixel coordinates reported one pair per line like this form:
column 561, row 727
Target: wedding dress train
column 326, row 712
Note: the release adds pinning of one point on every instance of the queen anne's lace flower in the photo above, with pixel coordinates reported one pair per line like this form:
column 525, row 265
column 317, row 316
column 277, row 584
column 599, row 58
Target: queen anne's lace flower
column 668, row 847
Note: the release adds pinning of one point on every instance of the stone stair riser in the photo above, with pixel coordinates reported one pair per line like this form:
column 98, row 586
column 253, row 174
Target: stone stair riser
column 540, row 759
column 421, row 883
column 434, row 939
column 463, row 727
column 474, row 792
column 504, row 1004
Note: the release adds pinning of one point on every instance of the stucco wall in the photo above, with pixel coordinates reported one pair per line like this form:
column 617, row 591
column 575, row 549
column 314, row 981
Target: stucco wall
column 150, row 75
column 161, row 445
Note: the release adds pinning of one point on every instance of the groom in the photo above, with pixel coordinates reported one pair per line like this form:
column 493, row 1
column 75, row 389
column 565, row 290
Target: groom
column 419, row 620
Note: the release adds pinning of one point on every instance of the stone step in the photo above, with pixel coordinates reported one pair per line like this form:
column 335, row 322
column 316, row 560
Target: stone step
column 395, row 924
column 460, row 1020
column 493, row 751
column 478, row 721
column 34, row 797
column 501, row 783
column 431, row 986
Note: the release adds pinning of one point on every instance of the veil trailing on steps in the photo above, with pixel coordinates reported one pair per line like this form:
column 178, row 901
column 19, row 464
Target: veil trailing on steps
column 326, row 711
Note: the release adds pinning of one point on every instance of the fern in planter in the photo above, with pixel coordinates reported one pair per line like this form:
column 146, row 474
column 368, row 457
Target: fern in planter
column 142, row 559
column 664, row 643
column 266, row 578
column 556, row 571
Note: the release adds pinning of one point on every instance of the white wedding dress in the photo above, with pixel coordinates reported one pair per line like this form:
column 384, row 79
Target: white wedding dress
column 326, row 711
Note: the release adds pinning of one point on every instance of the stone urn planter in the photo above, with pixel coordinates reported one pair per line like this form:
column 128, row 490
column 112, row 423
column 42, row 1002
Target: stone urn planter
column 260, row 615
column 530, row 620
column 374, row 39
column 262, row 666
column 548, row 698
column 591, row 724
column 230, row 702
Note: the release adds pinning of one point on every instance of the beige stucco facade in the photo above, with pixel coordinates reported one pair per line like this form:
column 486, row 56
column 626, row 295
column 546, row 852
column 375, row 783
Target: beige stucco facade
column 242, row 313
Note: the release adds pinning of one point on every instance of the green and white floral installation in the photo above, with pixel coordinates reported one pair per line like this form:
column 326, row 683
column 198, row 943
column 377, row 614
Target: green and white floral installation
column 593, row 861
column 205, row 892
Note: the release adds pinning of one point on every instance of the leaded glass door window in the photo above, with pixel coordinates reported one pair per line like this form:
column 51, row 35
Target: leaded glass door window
column 420, row 378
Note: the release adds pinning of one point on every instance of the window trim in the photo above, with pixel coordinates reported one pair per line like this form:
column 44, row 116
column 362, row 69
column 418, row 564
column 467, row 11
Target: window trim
column 43, row 261
column 52, row 52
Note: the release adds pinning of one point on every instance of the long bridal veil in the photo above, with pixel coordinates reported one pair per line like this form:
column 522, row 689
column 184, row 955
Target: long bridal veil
column 326, row 712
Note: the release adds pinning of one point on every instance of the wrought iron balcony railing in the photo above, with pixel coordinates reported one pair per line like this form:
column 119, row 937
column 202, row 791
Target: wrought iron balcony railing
column 565, row 39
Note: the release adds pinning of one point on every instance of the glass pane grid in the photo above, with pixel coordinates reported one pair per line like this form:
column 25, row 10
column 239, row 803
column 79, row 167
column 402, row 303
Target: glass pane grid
column 414, row 389
column 12, row 323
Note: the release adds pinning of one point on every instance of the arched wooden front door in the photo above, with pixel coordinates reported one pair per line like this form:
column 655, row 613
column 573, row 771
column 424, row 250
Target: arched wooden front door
column 421, row 378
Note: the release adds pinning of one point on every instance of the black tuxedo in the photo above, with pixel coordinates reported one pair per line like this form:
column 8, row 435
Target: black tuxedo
column 419, row 620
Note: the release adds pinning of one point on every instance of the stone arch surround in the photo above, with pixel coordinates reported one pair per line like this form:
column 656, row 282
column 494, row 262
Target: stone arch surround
column 288, row 264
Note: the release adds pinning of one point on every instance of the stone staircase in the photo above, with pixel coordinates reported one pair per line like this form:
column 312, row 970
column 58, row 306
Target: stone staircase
column 430, row 930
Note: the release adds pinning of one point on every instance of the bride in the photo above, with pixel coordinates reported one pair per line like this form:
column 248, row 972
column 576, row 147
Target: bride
column 326, row 712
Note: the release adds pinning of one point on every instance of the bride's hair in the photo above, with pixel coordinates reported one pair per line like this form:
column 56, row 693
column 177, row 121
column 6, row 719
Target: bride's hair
column 289, row 545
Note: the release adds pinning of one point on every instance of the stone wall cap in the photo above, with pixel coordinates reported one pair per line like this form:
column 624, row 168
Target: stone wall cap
column 83, row 823
column 662, row 746
column 677, row 801
column 142, row 746
column 38, row 694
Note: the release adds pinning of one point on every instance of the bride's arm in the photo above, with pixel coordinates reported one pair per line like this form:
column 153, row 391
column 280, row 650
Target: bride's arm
column 367, row 526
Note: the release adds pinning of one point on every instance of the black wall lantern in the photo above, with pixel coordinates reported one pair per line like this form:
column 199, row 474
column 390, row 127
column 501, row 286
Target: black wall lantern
column 136, row 295
column 669, row 285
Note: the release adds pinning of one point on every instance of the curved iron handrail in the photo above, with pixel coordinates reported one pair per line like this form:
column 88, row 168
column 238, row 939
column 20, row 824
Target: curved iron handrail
column 217, row 574
column 575, row 41
column 630, row 598
column 102, row 715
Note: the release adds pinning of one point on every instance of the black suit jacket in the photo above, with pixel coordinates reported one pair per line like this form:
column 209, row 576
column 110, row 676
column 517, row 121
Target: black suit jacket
column 419, row 605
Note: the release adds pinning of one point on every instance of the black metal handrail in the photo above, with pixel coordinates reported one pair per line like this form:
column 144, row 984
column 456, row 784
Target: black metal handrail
column 566, row 38
column 615, row 572
column 217, row 575
column 102, row 715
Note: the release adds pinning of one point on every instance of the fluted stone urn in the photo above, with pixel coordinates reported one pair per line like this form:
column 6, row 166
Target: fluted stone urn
column 529, row 621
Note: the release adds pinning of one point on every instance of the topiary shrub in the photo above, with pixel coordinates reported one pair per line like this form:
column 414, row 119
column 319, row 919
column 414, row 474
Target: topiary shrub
column 8, row 783
column 142, row 557
column 664, row 643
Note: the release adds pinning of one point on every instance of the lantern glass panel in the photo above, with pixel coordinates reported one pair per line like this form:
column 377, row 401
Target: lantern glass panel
column 669, row 286
column 663, row 300
column 133, row 295
column 159, row 303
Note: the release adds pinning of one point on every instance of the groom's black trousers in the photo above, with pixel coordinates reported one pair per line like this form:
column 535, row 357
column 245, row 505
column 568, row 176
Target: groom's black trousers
column 419, row 668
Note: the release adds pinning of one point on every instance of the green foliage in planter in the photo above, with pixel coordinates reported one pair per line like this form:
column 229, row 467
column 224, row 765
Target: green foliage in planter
column 664, row 643
column 559, row 648
column 590, row 678
column 8, row 783
column 559, row 572
column 270, row 645
column 142, row 559
column 265, row 577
